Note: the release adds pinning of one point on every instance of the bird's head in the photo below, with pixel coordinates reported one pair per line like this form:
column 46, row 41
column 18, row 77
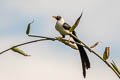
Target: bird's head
column 57, row 17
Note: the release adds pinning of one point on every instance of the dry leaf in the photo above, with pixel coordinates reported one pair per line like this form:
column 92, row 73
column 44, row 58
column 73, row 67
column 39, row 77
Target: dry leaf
column 94, row 45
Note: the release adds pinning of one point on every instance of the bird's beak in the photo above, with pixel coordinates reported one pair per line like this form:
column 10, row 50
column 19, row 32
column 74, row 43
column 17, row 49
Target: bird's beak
column 54, row 17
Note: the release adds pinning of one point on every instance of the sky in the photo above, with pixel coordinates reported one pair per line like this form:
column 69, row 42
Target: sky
column 53, row 60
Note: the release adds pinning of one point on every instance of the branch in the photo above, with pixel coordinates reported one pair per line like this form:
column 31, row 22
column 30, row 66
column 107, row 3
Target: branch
column 60, row 39
column 63, row 41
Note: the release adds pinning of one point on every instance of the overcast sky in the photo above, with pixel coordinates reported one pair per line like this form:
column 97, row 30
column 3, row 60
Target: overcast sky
column 53, row 60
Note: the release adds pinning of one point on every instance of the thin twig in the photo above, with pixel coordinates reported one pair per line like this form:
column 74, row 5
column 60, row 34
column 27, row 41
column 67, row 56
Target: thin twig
column 33, row 41
column 40, row 37
column 5, row 50
column 27, row 43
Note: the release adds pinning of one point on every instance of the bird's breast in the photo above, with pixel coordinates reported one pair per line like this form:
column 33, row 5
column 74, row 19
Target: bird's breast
column 59, row 27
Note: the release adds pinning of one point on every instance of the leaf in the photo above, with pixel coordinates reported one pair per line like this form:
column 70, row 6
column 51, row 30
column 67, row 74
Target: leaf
column 106, row 53
column 76, row 23
column 94, row 45
column 28, row 27
column 15, row 49
column 115, row 67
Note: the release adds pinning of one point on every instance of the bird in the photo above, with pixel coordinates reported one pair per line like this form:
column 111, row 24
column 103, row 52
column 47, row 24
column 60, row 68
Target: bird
column 63, row 28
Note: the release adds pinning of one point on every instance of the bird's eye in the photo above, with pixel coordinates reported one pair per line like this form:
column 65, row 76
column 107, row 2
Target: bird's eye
column 58, row 17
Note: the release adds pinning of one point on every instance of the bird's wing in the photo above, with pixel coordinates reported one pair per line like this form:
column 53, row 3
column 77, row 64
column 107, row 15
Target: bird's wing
column 66, row 26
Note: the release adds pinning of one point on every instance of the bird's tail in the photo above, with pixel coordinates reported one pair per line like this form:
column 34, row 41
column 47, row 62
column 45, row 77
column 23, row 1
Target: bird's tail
column 84, row 58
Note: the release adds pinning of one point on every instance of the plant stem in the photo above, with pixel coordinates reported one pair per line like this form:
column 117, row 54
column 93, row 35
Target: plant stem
column 5, row 50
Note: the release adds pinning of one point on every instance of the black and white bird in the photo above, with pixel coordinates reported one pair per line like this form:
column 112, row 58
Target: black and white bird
column 63, row 29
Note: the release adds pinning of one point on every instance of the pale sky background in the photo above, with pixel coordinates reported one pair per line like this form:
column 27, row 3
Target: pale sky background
column 53, row 60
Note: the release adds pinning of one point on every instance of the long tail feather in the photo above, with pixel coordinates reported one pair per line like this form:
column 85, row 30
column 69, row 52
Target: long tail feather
column 84, row 58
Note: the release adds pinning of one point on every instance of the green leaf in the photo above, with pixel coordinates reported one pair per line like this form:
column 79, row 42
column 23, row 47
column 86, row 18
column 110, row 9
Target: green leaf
column 115, row 67
column 106, row 53
column 76, row 23
column 28, row 28
column 15, row 49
